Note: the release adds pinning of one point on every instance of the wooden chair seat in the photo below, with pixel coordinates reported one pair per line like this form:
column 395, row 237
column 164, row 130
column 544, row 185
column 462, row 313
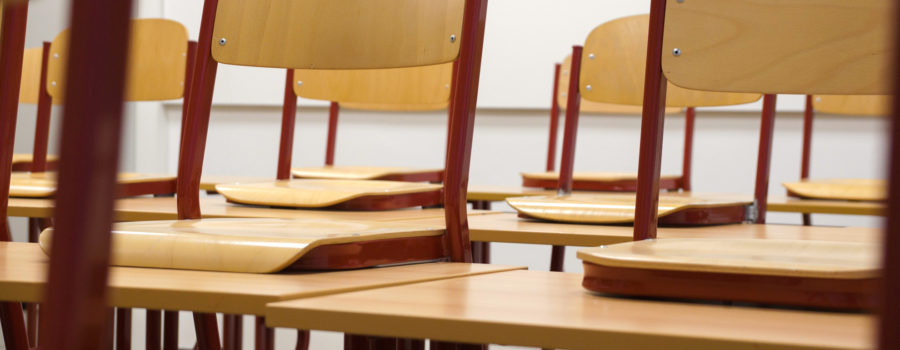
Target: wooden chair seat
column 795, row 272
column 268, row 245
column 369, row 173
column 597, row 181
column 42, row 185
column 610, row 208
column 22, row 161
column 337, row 194
column 840, row 189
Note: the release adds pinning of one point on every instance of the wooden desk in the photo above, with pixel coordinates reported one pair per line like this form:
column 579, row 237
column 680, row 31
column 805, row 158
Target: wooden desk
column 509, row 228
column 23, row 276
column 163, row 208
column 499, row 193
column 209, row 182
column 552, row 310
column 818, row 206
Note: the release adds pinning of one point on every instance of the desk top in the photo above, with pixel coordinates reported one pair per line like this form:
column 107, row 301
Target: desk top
column 508, row 227
column 552, row 310
column 23, row 269
column 824, row 206
column 163, row 208
column 499, row 193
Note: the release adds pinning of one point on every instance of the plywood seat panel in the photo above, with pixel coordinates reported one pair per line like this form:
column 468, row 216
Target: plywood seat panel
column 612, row 208
column 597, row 181
column 318, row 193
column 27, row 184
column 774, row 257
column 839, row 189
column 241, row 245
column 28, row 158
column 368, row 173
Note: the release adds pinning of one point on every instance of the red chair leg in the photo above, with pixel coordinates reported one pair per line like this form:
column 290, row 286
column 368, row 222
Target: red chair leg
column 557, row 258
column 123, row 329
column 170, row 330
column 232, row 332
column 153, row 335
column 264, row 336
column 12, row 321
column 302, row 340
column 207, row 328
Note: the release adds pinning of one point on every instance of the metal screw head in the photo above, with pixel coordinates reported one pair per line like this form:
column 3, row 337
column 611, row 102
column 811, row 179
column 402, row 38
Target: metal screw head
column 222, row 41
column 452, row 38
column 52, row 83
column 446, row 86
column 563, row 94
column 588, row 88
column 591, row 56
column 299, row 83
column 56, row 55
column 680, row 1
column 676, row 52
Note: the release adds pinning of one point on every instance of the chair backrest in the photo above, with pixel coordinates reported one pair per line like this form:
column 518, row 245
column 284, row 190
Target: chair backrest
column 156, row 61
column 614, row 61
column 427, row 85
column 31, row 75
column 588, row 106
column 814, row 47
column 355, row 34
column 396, row 107
column 859, row 105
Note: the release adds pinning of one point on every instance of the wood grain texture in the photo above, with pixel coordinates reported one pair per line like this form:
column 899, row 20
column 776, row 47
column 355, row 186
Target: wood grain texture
column 418, row 86
column 858, row 105
column 316, row 193
column 588, row 106
column 509, row 228
column 811, row 259
column 240, row 245
column 769, row 46
column 611, row 208
column 818, row 206
column 31, row 75
column 157, row 59
column 616, row 73
column 209, row 182
column 163, row 208
column 24, row 184
column 23, row 278
column 257, row 33
column 355, row 172
column 840, row 189
column 552, row 310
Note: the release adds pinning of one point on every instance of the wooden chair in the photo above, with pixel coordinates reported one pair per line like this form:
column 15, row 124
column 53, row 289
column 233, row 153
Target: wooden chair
column 388, row 90
column 601, row 181
column 613, row 76
column 748, row 46
column 342, row 187
column 836, row 189
column 446, row 31
column 157, row 72
column 32, row 92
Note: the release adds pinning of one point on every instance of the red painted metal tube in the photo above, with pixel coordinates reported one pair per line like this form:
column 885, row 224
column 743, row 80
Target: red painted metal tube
column 557, row 258
column 153, row 336
column 191, row 59
column 288, row 121
column 808, row 115
column 207, row 331
column 570, row 132
column 764, row 157
column 333, row 110
column 889, row 312
column 42, row 125
column 554, row 120
column 12, row 44
column 302, row 340
column 75, row 295
column 687, row 158
column 170, row 330
column 462, row 120
column 453, row 76
column 123, row 329
column 652, row 120
column 196, row 124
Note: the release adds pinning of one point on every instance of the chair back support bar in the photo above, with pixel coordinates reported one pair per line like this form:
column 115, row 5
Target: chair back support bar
column 156, row 63
column 75, row 295
column 350, row 34
column 859, row 105
column 428, row 85
column 889, row 312
column 773, row 46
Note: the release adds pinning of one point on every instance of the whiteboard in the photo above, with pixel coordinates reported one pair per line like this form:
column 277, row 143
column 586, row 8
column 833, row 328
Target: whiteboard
column 523, row 39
